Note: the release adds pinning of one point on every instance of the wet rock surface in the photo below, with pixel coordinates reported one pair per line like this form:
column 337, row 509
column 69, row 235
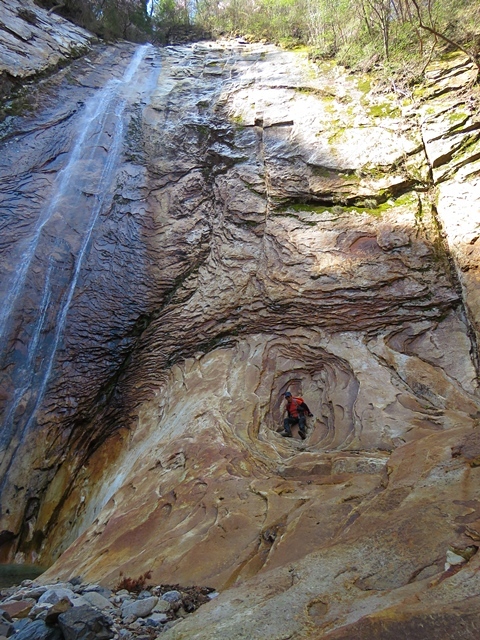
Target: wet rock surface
column 53, row 230
column 268, row 226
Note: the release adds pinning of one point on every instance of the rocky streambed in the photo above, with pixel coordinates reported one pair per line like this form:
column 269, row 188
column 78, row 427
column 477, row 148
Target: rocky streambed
column 78, row 611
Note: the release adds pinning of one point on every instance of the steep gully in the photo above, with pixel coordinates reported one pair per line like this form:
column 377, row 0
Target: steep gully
column 234, row 249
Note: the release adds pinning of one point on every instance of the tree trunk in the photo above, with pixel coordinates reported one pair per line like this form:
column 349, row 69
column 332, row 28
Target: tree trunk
column 443, row 37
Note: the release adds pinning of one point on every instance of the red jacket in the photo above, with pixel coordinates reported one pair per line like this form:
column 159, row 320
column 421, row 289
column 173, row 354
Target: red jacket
column 296, row 405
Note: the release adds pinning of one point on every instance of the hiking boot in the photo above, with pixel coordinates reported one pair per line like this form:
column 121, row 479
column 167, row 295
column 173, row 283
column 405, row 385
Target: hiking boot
column 285, row 434
column 302, row 435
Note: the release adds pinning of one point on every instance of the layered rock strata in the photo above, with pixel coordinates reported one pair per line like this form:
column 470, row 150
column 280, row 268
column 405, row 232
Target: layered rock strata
column 273, row 226
column 33, row 41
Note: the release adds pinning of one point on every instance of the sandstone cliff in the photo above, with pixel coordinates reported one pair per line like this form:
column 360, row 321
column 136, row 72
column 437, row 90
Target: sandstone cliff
column 240, row 223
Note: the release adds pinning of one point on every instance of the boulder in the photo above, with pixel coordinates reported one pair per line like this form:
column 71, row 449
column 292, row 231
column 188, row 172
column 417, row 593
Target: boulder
column 172, row 596
column 38, row 630
column 18, row 608
column 85, row 623
column 139, row 608
column 162, row 606
column 97, row 600
column 6, row 629
column 54, row 595
column 55, row 610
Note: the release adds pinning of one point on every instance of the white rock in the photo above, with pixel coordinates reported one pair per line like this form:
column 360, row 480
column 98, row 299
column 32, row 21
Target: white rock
column 97, row 600
column 162, row 606
column 453, row 558
column 55, row 594
column 140, row 608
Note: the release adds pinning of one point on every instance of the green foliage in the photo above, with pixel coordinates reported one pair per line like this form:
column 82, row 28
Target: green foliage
column 122, row 18
column 396, row 37
column 109, row 19
column 169, row 16
column 262, row 19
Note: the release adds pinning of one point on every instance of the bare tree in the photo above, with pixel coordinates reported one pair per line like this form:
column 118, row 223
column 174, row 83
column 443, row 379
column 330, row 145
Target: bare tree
column 379, row 12
column 427, row 15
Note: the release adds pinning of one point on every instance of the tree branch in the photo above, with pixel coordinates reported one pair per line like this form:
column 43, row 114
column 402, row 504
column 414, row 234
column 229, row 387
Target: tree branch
column 442, row 36
column 57, row 6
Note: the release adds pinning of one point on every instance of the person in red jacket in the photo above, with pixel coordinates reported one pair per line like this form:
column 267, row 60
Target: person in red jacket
column 296, row 409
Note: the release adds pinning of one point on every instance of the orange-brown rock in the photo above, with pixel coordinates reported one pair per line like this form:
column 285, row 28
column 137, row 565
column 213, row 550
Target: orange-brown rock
column 18, row 608
column 457, row 621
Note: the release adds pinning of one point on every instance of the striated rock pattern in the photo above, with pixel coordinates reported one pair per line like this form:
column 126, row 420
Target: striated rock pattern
column 33, row 40
column 268, row 225
column 66, row 206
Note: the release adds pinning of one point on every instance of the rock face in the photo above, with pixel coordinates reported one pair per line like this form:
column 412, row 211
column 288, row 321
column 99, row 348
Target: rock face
column 33, row 40
column 267, row 226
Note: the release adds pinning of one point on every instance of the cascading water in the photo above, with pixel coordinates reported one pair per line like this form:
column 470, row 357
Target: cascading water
column 52, row 259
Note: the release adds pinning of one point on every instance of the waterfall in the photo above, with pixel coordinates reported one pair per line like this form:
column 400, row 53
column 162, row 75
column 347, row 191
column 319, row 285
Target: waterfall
column 87, row 181
column 90, row 128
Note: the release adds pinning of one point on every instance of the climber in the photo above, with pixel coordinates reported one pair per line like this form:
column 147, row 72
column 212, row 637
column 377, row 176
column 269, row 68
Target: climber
column 296, row 409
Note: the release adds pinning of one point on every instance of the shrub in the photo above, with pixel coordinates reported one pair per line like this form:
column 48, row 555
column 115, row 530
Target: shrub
column 134, row 585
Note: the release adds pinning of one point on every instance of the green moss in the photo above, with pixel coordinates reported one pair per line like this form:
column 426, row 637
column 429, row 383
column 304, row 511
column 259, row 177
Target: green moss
column 238, row 120
column 202, row 128
column 351, row 111
column 323, row 66
column 364, row 84
column 369, row 206
column 385, row 110
column 420, row 92
column 451, row 55
column 456, row 116
column 322, row 172
column 369, row 171
column 329, row 106
column 291, row 212
column 376, row 212
column 338, row 133
column 22, row 103
column 321, row 93
column 307, row 208
column 417, row 172
column 406, row 199
column 470, row 148
column 303, row 49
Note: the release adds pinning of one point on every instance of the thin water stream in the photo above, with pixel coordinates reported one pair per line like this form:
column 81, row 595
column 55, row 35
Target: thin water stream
column 53, row 252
